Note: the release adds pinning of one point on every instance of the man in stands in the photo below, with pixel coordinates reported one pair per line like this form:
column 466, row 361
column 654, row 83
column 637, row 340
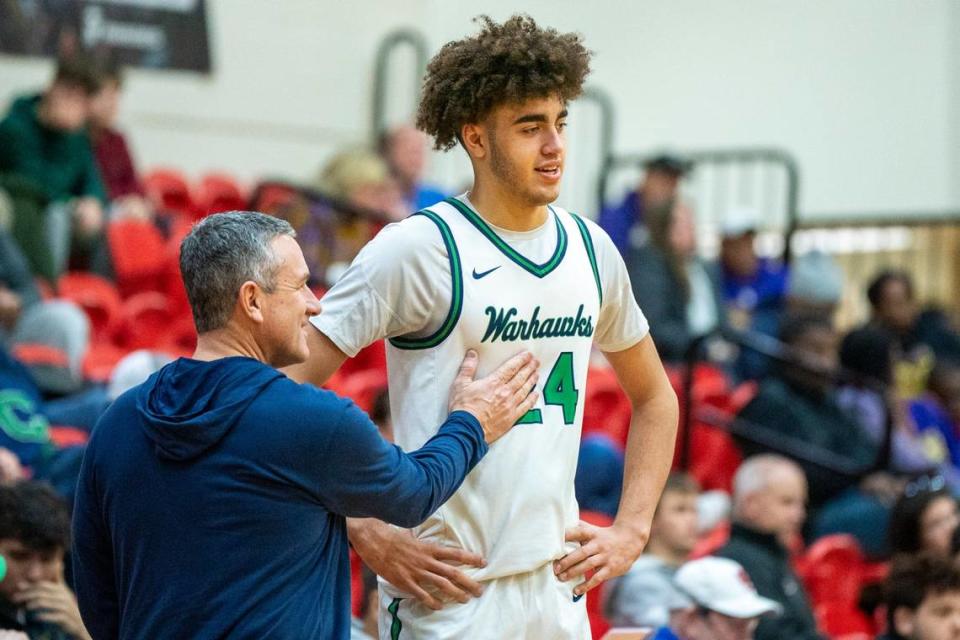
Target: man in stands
column 640, row 598
column 660, row 185
column 44, row 146
column 405, row 151
column 714, row 600
column 34, row 536
column 923, row 599
column 769, row 496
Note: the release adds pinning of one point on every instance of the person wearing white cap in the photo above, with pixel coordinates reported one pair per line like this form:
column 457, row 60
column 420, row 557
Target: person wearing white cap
column 715, row 601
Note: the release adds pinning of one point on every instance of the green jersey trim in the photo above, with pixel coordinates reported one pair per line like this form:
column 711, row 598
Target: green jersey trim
column 539, row 270
column 456, row 301
column 591, row 254
column 395, row 625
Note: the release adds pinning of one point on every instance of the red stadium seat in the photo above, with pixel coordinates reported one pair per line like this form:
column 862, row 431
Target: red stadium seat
column 63, row 436
column 606, row 408
column 96, row 296
column 841, row 620
column 100, row 360
column 371, row 358
column 139, row 254
column 832, row 570
column 169, row 192
column 273, row 198
column 363, row 387
column 144, row 321
column 218, row 192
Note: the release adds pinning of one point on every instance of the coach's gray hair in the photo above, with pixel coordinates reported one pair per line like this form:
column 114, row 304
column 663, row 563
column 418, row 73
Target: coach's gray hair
column 221, row 253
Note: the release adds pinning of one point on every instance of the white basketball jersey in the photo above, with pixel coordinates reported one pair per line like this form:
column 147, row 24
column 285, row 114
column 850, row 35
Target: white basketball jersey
column 514, row 506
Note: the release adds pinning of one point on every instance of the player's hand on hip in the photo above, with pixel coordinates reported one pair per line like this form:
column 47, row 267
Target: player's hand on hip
column 426, row 571
column 608, row 552
column 501, row 398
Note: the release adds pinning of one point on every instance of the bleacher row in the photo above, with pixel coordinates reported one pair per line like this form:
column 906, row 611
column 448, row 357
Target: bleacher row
column 146, row 308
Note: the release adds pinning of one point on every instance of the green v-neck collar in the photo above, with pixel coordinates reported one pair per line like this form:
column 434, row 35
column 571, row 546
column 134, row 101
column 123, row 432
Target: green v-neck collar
column 539, row 270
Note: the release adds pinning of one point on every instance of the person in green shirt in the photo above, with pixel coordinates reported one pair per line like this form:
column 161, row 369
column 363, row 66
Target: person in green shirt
column 43, row 142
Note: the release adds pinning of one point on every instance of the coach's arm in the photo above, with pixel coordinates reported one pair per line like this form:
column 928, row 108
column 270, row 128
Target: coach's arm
column 610, row 551
column 419, row 568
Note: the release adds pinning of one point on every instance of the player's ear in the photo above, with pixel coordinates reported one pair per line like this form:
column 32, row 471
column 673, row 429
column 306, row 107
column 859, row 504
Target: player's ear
column 474, row 140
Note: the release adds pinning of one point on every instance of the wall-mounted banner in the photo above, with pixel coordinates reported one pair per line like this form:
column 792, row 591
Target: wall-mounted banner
column 158, row 34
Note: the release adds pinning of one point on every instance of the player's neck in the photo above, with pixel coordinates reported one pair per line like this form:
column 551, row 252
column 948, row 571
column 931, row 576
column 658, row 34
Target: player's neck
column 503, row 209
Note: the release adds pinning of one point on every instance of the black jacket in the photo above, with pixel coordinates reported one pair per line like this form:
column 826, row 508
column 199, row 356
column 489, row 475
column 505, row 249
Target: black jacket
column 768, row 565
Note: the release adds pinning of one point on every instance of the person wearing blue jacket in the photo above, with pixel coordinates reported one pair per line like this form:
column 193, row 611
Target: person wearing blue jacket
column 212, row 498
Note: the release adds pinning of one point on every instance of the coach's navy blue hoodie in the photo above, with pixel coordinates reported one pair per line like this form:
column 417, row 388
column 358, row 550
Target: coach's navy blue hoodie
column 212, row 499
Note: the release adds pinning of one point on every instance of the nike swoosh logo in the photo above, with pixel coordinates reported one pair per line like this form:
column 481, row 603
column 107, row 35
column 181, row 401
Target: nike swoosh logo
column 477, row 276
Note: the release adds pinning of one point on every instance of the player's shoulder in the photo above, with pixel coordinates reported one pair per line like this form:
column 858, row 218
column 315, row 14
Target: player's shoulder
column 412, row 238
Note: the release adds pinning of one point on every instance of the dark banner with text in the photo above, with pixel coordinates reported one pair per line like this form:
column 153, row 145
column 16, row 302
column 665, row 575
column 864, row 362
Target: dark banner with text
column 157, row 34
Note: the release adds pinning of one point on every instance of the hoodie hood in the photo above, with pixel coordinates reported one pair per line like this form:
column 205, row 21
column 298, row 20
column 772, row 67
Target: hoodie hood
column 190, row 405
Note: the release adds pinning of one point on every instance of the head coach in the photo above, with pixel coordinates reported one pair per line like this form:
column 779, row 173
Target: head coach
column 212, row 498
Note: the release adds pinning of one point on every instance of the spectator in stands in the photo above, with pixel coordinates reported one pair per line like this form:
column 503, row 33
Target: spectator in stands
column 923, row 599
column 769, row 496
column 331, row 238
column 25, row 431
column 18, row 291
column 924, row 519
column 599, row 479
column 867, row 356
column 43, row 142
column 679, row 292
column 714, row 600
column 937, row 412
column 404, row 148
column 127, row 196
column 754, row 288
column 814, row 285
column 797, row 407
column 26, row 321
column 34, row 537
column 640, row 597
column 661, row 181
column 923, row 336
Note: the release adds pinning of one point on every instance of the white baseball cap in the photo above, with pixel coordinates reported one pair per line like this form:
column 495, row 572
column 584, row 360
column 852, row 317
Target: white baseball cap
column 722, row 585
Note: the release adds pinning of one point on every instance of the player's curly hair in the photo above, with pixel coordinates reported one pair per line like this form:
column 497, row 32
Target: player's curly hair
column 504, row 63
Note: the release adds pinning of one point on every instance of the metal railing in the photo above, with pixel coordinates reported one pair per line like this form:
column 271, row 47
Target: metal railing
column 758, row 434
column 381, row 79
column 762, row 178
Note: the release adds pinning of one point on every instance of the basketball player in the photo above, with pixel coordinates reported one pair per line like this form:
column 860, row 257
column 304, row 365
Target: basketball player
column 499, row 269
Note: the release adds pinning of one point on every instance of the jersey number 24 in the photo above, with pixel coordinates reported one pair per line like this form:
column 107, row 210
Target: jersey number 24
column 560, row 390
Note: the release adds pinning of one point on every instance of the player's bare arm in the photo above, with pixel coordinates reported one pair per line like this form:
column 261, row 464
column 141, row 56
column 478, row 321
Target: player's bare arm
column 325, row 358
column 610, row 551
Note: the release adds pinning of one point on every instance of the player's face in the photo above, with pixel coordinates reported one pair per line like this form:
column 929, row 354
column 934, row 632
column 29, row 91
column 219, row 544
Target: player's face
column 937, row 618
column 527, row 146
column 289, row 307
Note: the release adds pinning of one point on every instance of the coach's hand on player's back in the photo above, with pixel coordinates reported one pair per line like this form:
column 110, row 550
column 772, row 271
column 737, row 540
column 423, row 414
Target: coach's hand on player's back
column 499, row 399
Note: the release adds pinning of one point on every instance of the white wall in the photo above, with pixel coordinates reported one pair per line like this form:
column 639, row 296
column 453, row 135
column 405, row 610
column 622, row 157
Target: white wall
column 953, row 63
column 866, row 94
